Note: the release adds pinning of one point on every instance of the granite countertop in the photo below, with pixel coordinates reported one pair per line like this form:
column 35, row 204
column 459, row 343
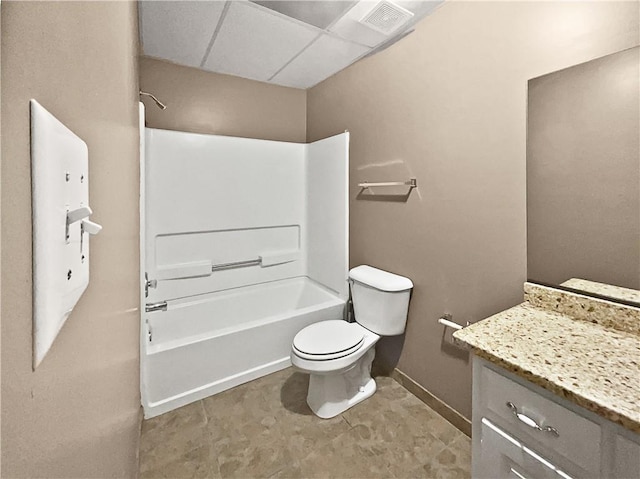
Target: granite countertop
column 595, row 367
column 603, row 289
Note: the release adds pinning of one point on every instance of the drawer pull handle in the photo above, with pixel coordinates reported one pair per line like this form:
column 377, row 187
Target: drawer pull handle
column 530, row 422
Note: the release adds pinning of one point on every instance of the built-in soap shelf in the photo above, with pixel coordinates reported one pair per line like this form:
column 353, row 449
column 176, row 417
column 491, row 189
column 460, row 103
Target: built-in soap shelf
column 206, row 268
column 61, row 225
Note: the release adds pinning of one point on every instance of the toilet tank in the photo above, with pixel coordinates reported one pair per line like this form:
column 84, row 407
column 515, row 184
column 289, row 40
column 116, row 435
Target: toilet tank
column 380, row 299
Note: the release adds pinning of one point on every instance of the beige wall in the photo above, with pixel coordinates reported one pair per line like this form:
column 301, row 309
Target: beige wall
column 204, row 102
column 448, row 106
column 77, row 414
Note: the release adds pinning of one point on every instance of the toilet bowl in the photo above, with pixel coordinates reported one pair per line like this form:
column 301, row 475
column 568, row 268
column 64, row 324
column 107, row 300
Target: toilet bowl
column 338, row 355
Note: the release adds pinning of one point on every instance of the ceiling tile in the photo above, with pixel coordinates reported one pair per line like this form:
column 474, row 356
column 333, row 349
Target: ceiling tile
column 323, row 58
column 319, row 13
column 178, row 31
column 255, row 43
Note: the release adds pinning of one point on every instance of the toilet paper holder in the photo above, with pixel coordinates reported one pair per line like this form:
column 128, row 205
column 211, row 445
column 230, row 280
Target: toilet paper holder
column 447, row 321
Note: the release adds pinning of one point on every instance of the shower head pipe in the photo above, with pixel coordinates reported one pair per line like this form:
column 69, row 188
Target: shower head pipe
column 161, row 105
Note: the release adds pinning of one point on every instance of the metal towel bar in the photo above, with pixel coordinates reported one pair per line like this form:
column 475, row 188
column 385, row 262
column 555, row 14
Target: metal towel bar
column 412, row 183
column 236, row 264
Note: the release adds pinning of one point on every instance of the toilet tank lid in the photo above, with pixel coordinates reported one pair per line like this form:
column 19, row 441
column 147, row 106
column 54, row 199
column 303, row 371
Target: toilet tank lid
column 379, row 279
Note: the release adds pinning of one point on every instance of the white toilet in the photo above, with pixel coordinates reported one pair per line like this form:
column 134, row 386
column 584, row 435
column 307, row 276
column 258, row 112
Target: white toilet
column 338, row 354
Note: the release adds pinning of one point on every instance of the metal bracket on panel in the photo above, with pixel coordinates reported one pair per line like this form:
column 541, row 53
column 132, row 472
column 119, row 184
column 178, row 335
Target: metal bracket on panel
column 160, row 306
column 149, row 283
column 149, row 333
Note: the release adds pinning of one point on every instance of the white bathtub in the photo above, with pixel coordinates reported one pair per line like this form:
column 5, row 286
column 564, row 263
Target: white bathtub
column 205, row 344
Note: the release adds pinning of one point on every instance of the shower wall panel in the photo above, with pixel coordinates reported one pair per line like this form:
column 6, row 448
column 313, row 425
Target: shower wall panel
column 328, row 212
column 221, row 200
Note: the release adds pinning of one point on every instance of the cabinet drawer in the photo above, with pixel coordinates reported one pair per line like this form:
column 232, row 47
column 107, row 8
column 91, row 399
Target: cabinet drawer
column 577, row 439
column 503, row 456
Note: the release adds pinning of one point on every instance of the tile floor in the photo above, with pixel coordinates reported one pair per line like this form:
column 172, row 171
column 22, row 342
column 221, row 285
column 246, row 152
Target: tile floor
column 265, row 429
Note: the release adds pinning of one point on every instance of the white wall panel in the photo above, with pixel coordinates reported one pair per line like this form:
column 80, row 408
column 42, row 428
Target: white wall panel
column 328, row 212
column 221, row 199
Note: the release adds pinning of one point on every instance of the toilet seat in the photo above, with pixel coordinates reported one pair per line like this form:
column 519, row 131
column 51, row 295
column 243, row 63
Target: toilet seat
column 328, row 340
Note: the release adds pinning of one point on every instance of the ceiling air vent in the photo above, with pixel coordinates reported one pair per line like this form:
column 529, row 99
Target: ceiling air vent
column 386, row 17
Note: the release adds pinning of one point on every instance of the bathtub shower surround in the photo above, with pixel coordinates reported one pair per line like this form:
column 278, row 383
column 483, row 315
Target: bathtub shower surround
column 245, row 244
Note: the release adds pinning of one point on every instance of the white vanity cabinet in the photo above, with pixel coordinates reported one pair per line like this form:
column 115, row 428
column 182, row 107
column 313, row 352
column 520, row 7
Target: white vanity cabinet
column 523, row 431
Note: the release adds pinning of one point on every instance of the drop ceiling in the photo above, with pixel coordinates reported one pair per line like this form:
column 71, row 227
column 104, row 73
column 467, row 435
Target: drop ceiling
column 291, row 43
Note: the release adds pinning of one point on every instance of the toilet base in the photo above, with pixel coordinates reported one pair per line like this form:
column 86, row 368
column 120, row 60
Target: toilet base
column 332, row 394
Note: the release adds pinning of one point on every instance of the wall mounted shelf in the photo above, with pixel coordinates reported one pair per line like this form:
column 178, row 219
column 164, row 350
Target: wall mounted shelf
column 411, row 183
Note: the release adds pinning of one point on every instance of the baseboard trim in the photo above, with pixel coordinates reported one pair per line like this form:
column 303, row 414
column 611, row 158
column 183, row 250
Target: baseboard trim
column 446, row 411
